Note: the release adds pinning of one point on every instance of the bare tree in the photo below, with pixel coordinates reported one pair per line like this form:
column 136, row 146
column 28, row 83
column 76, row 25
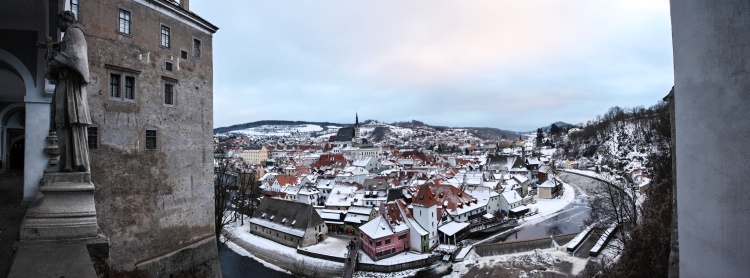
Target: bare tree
column 614, row 201
column 222, row 196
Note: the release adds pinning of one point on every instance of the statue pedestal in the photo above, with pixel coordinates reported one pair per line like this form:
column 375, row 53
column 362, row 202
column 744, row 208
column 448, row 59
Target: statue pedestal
column 61, row 232
column 64, row 209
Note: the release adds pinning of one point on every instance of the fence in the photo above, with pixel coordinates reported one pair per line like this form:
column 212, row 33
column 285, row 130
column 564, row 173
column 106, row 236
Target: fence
column 397, row 267
column 502, row 248
column 321, row 256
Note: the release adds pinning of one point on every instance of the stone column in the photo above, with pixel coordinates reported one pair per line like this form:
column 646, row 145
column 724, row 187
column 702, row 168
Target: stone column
column 712, row 126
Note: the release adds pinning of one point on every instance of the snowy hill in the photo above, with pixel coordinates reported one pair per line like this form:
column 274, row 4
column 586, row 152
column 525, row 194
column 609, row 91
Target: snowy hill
column 400, row 133
column 621, row 140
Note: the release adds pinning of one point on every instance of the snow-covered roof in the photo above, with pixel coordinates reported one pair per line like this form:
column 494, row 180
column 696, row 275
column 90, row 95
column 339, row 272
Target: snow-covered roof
column 362, row 162
column 417, row 228
column 277, row 227
column 378, row 228
column 356, row 218
column 359, row 210
column 548, row 184
column 452, row 228
column 519, row 208
column 520, row 178
column 512, row 196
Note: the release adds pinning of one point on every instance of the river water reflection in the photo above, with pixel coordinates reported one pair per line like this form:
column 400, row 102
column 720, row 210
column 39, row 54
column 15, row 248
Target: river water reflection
column 235, row 265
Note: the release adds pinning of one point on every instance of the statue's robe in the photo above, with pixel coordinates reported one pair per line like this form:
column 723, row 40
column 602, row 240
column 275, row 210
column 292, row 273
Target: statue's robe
column 70, row 105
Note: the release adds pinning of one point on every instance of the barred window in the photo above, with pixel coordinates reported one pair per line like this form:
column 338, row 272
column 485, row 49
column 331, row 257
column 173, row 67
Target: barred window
column 150, row 139
column 93, row 137
column 114, row 85
column 129, row 87
column 168, row 94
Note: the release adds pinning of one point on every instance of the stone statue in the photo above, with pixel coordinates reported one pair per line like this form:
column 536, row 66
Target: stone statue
column 69, row 70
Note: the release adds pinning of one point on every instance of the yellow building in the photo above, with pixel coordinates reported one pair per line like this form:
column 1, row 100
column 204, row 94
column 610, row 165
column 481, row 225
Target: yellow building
column 255, row 155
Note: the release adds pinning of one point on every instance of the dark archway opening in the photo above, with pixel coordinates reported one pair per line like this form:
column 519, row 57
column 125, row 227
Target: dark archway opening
column 15, row 159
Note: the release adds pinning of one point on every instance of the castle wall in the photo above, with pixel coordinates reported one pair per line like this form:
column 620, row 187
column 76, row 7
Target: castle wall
column 155, row 205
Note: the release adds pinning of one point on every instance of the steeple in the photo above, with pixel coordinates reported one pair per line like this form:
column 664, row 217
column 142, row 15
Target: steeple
column 356, row 128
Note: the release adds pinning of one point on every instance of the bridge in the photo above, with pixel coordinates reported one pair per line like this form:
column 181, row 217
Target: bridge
column 352, row 257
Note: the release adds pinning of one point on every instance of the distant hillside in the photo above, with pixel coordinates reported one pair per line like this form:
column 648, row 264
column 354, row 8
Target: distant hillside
column 271, row 122
column 490, row 133
column 485, row 133
column 559, row 124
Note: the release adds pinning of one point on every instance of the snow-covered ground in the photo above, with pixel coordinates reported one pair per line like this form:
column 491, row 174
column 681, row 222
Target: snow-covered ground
column 242, row 252
column 279, row 130
column 548, row 207
column 397, row 259
column 240, row 236
column 592, row 174
column 331, row 246
column 530, row 259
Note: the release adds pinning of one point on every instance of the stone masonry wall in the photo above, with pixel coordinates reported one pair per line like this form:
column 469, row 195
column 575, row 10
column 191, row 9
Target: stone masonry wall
column 151, row 202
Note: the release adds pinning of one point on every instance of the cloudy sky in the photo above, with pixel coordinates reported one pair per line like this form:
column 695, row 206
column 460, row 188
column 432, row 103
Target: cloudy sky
column 514, row 65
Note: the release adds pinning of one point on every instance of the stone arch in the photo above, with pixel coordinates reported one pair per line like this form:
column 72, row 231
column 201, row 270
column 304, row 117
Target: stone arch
column 20, row 69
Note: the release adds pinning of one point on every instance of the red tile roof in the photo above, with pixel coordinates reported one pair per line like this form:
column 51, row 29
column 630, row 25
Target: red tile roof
column 424, row 197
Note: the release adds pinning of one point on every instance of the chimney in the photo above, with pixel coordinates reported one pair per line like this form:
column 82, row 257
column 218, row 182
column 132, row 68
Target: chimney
column 185, row 4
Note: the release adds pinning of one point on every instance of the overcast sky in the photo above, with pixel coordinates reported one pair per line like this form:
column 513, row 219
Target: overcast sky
column 514, row 65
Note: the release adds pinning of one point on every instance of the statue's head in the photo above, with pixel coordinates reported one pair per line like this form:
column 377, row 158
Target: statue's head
column 65, row 19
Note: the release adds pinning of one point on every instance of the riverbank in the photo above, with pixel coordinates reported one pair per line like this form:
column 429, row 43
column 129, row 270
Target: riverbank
column 277, row 256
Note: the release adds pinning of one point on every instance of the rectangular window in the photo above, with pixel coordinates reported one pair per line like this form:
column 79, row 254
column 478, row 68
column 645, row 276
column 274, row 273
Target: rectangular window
column 74, row 8
column 114, row 85
column 93, row 137
column 197, row 48
column 168, row 94
column 378, row 243
column 387, row 241
column 183, row 54
column 129, row 87
column 168, row 66
column 165, row 36
column 124, row 23
column 150, row 139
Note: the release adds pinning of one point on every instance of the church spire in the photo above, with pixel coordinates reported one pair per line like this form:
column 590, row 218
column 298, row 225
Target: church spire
column 356, row 121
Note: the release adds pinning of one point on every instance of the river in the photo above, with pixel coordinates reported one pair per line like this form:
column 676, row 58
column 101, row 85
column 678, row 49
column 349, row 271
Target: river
column 235, row 265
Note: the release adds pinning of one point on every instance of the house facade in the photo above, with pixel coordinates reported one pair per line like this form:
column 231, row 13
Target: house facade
column 289, row 223
column 255, row 155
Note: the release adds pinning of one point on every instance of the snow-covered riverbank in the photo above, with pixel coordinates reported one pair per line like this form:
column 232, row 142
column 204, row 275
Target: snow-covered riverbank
column 275, row 255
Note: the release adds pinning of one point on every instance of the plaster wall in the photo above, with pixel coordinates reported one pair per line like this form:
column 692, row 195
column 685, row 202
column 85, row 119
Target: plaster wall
column 712, row 124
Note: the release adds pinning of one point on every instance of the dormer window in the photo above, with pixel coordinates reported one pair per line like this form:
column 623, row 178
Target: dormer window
column 263, row 215
column 272, row 216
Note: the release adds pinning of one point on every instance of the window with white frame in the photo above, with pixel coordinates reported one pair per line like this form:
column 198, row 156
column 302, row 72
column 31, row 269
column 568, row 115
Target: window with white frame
column 124, row 22
column 165, row 36
column 74, row 7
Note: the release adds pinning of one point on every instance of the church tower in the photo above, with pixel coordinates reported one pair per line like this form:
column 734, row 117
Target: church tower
column 356, row 125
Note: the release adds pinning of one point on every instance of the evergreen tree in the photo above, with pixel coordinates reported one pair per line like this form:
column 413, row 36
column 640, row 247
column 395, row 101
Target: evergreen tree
column 539, row 136
column 554, row 130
